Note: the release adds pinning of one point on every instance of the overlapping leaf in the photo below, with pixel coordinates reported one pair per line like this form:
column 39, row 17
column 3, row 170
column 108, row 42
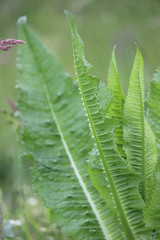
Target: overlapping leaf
column 116, row 107
column 122, row 181
column 140, row 145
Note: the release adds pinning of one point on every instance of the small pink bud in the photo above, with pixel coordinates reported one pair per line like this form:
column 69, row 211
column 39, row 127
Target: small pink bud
column 9, row 43
column 12, row 105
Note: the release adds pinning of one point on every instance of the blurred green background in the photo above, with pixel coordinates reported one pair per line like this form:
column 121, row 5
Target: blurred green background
column 101, row 24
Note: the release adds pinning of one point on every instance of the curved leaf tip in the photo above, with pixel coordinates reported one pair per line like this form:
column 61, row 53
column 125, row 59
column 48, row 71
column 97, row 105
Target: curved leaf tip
column 114, row 57
column 69, row 15
column 76, row 39
column 22, row 20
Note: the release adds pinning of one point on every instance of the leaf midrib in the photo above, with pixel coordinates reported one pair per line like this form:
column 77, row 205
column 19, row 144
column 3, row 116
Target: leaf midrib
column 81, row 182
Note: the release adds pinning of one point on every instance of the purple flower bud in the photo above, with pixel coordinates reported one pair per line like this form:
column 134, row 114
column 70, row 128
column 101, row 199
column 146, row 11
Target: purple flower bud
column 9, row 43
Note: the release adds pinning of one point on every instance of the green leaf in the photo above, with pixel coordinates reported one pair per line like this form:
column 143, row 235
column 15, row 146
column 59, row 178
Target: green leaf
column 153, row 108
column 150, row 159
column 116, row 107
column 97, row 175
column 134, row 133
column 152, row 210
column 104, row 97
column 122, row 181
column 139, row 140
column 56, row 136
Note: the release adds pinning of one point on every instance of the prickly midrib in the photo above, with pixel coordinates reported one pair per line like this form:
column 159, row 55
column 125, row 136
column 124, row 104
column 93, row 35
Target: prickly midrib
column 65, row 145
